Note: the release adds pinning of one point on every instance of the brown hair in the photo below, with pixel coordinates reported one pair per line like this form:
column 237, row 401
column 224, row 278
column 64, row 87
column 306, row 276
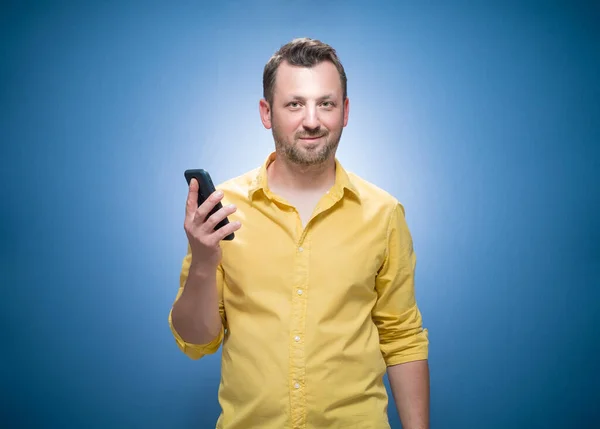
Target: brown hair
column 303, row 52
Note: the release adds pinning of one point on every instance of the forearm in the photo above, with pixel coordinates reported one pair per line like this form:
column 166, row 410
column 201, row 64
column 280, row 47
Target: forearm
column 195, row 314
column 410, row 389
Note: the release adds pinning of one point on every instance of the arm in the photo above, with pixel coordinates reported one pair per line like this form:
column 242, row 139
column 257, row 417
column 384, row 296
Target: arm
column 197, row 318
column 403, row 340
column 410, row 389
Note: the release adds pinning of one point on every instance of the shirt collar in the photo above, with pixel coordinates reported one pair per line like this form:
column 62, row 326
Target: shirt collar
column 342, row 180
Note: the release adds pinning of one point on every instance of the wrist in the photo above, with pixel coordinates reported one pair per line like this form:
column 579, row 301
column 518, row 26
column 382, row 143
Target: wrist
column 201, row 271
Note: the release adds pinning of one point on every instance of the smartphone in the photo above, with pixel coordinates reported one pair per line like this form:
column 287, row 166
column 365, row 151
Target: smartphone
column 206, row 188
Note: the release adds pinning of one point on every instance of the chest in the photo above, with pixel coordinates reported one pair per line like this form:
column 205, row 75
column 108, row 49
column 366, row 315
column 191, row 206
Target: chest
column 334, row 258
column 305, row 207
column 303, row 204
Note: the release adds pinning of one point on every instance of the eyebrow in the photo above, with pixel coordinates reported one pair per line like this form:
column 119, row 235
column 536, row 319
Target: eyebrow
column 325, row 97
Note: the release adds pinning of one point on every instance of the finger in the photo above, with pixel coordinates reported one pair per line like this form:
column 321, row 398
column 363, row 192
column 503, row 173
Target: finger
column 206, row 207
column 218, row 216
column 192, row 199
column 224, row 231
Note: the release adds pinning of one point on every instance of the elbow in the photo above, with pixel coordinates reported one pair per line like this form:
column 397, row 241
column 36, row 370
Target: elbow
column 197, row 351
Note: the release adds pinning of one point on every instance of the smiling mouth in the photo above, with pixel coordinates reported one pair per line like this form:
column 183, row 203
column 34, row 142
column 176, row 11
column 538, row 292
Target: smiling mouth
column 310, row 138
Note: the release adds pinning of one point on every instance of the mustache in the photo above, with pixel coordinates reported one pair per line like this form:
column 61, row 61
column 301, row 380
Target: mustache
column 312, row 134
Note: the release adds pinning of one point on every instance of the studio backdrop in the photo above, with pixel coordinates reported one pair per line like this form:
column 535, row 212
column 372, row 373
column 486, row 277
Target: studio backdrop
column 483, row 120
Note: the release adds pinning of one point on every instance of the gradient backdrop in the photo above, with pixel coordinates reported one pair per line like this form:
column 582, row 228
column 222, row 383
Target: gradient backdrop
column 484, row 120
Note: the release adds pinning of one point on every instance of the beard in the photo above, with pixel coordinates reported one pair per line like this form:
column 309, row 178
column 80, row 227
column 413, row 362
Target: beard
column 305, row 153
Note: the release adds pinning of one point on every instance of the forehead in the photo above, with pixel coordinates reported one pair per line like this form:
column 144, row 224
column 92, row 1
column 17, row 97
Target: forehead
column 307, row 81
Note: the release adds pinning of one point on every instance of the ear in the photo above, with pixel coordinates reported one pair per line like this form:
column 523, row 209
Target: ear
column 265, row 113
column 346, row 110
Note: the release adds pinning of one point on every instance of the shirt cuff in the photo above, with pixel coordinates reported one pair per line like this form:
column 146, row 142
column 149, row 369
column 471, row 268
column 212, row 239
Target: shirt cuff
column 196, row 351
column 399, row 359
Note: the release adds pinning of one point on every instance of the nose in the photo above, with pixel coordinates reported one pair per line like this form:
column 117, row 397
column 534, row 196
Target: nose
column 311, row 118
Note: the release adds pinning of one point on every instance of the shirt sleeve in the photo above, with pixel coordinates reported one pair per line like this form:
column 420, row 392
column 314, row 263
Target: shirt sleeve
column 196, row 351
column 396, row 314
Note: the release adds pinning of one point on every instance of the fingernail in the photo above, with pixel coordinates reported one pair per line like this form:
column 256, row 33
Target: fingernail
column 219, row 193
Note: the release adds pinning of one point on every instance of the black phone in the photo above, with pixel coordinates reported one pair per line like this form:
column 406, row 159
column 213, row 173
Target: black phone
column 206, row 188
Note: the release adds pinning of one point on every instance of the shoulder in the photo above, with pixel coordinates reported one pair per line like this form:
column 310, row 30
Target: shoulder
column 386, row 206
column 238, row 187
column 374, row 196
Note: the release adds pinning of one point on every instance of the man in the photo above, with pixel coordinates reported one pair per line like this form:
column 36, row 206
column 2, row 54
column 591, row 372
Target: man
column 313, row 300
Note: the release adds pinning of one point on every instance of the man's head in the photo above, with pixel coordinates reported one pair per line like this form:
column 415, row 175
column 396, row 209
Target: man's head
column 305, row 101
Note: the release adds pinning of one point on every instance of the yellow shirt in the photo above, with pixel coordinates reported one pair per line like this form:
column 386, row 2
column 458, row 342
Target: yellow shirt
column 312, row 315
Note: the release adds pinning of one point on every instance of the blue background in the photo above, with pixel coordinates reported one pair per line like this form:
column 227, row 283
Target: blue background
column 482, row 118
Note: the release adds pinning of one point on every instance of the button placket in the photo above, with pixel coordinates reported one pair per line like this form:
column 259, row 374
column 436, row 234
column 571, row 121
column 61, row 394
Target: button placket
column 297, row 333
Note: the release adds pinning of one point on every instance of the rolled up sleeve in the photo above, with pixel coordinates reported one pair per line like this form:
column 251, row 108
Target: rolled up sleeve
column 197, row 351
column 396, row 314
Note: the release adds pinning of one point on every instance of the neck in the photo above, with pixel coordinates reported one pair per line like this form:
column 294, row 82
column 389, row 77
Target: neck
column 285, row 175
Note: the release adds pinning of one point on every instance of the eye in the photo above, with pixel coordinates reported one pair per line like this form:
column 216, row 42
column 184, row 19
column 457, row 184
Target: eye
column 328, row 104
column 294, row 104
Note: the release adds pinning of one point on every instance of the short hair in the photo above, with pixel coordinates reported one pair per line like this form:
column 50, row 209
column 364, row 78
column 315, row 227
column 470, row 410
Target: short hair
column 303, row 52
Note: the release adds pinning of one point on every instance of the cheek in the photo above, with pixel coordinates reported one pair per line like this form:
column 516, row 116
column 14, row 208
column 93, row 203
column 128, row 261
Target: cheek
column 286, row 124
column 333, row 122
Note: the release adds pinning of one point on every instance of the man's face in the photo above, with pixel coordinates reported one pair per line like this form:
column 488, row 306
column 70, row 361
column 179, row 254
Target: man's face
column 308, row 113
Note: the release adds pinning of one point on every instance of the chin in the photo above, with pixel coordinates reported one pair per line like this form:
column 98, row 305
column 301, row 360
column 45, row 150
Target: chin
column 311, row 143
column 310, row 146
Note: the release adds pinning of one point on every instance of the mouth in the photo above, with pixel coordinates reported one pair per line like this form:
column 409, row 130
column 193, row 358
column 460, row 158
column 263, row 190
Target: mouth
column 310, row 139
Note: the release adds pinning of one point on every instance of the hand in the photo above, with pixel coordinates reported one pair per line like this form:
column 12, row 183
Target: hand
column 204, row 240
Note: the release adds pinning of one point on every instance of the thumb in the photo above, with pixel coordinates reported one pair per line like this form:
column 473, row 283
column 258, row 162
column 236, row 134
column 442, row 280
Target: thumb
column 192, row 198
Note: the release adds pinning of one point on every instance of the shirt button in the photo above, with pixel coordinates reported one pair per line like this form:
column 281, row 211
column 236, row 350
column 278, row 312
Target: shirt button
column 297, row 386
column 297, row 338
column 300, row 249
column 299, row 291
